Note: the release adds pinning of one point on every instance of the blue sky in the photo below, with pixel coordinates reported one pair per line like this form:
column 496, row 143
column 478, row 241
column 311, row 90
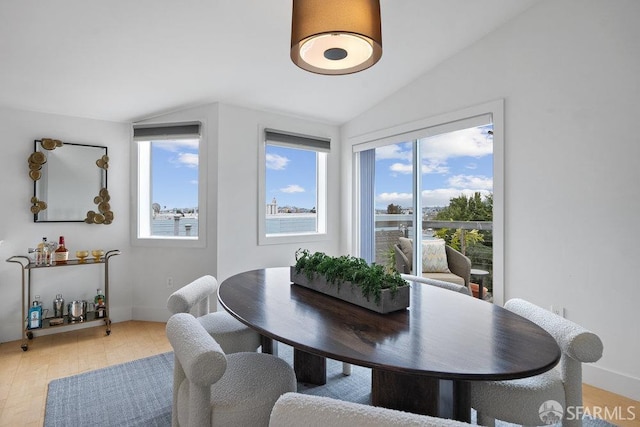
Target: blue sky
column 291, row 176
column 174, row 170
column 454, row 163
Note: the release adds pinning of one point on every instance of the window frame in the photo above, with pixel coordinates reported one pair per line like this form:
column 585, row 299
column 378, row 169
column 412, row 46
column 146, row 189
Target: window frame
column 322, row 204
column 141, row 187
column 434, row 125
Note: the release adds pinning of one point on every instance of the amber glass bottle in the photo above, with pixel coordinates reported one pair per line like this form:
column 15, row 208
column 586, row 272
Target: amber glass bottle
column 61, row 255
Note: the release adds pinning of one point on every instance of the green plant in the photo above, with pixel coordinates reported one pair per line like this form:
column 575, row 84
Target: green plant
column 370, row 278
column 390, row 260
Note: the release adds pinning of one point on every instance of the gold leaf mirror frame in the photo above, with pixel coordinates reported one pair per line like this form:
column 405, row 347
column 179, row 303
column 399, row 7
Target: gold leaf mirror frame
column 66, row 178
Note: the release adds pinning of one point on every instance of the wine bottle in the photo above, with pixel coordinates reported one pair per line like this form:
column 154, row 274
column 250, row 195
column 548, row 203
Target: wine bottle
column 61, row 255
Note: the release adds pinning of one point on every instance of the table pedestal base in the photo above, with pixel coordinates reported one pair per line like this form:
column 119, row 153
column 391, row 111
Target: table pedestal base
column 309, row 368
column 421, row 394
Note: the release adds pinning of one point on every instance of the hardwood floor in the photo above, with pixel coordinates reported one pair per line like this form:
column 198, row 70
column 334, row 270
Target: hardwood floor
column 24, row 376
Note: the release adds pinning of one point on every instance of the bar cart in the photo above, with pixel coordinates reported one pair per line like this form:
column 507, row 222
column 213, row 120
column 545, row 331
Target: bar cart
column 27, row 266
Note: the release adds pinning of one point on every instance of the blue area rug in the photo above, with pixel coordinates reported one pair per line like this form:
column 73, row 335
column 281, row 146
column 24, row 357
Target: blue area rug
column 136, row 393
column 139, row 393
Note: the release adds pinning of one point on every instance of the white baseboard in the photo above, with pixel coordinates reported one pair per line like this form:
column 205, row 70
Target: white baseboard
column 612, row 381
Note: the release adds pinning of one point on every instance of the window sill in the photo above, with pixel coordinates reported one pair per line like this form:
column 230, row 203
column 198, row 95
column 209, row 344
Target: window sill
column 169, row 242
column 279, row 239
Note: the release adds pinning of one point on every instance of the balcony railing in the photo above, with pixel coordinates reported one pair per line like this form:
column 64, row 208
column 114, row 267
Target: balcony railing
column 389, row 227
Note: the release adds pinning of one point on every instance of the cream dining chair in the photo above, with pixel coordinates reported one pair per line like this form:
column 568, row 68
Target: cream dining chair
column 198, row 298
column 217, row 389
column 535, row 400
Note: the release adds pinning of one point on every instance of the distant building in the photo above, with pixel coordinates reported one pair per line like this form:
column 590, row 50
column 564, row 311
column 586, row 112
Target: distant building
column 272, row 208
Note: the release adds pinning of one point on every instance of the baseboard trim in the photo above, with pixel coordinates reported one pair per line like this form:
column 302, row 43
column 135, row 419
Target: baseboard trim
column 612, row 381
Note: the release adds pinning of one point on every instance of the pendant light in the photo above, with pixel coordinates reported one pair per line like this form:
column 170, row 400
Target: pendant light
column 336, row 36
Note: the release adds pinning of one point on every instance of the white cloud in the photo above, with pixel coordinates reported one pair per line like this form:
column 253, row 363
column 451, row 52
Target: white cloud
column 472, row 142
column 403, row 168
column 434, row 166
column 293, row 188
column 438, row 197
column 188, row 159
column 471, row 182
column 427, row 168
column 276, row 162
column 395, row 151
column 442, row 196
column 403, row 199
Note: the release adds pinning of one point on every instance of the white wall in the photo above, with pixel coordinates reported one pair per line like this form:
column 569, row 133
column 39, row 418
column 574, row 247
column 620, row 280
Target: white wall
column 231, row 138
column 239, row 137
column 19, row 232
column 569, row 73
column 154, row 264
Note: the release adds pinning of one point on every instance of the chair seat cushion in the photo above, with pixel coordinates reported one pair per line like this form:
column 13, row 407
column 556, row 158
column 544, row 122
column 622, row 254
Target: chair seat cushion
column 247, row 391
column 502, row 399
column 445, row 277
column 232, row 335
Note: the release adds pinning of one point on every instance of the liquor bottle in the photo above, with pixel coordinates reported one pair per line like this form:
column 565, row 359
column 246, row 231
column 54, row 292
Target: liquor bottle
column 35, row 314
column 45, row 256
column 58, row 306
column 100, row 304
column 61, row 255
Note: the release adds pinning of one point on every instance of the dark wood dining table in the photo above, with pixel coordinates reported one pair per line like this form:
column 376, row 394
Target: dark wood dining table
column 422, row 358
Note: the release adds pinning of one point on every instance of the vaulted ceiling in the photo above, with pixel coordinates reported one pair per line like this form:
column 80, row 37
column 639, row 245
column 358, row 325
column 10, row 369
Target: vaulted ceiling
column 123, row 60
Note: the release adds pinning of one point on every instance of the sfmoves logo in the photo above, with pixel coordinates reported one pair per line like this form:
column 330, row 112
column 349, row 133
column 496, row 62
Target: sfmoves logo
column 551, row 412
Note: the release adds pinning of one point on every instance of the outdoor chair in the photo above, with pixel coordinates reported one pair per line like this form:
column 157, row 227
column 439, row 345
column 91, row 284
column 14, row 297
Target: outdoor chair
column 456, row 267
column 214, row 388
column 438, row 283
column 522, row 401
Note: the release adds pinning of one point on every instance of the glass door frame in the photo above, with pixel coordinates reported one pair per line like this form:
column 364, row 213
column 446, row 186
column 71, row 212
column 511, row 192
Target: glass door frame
column 413, row 132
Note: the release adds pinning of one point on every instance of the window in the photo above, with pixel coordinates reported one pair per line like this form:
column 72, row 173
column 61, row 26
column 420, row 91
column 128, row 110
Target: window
column 440, row 179
column 168, row 190
column 293, row 188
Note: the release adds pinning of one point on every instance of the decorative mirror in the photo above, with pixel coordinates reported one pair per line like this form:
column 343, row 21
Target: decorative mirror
column 69, row 182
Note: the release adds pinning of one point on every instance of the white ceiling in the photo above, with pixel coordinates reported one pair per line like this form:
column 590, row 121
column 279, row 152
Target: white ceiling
column 124, row 60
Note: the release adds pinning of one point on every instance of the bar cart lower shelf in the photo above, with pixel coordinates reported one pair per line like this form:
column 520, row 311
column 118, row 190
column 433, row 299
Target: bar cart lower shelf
column 27, row 266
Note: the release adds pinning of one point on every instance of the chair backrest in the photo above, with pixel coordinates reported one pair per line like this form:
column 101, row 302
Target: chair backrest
column 577, row 344
column 403, row 264
column 194, row 297
column 439, row 283
column 295, row 409
column 197, row 358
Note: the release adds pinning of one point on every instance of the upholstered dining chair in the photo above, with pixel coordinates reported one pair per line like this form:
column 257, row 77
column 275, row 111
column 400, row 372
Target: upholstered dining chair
column 218, row 389
column 523, row 401
column 197, row 298
column 295, row 409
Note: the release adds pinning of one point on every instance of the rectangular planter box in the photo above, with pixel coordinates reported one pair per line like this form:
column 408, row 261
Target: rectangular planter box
column 351, row 293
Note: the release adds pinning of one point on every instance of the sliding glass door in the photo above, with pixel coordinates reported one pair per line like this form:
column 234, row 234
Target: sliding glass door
column 435, row 188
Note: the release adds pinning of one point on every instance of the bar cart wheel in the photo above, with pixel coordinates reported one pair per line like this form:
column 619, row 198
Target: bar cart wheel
column 24, row 347
column 30, row 335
